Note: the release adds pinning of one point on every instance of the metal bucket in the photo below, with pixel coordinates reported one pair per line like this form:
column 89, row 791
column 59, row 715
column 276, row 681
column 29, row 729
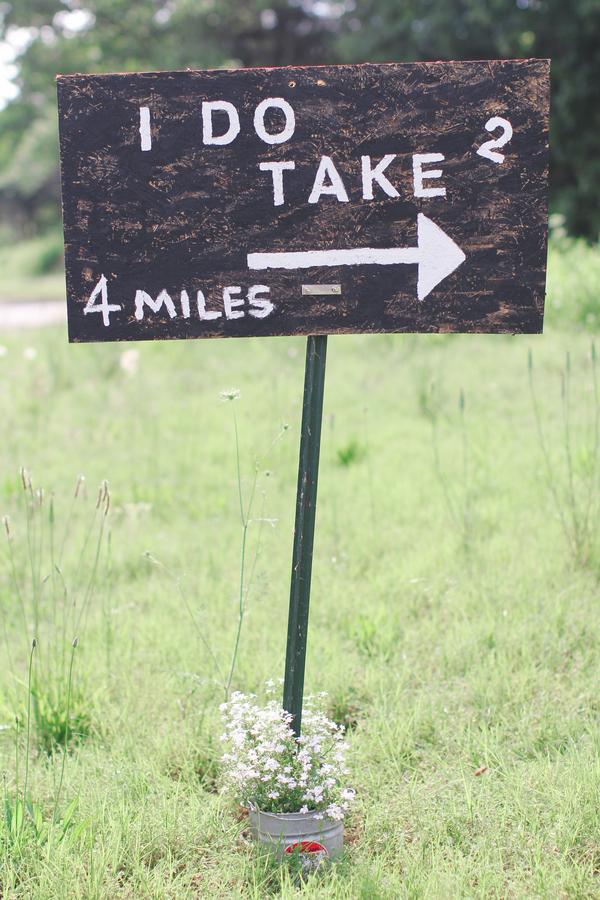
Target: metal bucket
column 287, row 833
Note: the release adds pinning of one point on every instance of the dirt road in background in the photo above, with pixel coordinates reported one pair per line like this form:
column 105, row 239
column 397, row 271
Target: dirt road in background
column 15, row 316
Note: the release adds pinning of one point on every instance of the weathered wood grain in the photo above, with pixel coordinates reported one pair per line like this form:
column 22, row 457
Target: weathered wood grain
column 185, row 216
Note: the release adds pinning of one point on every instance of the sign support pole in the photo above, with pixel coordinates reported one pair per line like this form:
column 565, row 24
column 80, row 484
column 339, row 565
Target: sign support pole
column 304, row 530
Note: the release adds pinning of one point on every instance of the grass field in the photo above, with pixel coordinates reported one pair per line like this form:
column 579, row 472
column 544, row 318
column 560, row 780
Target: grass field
column 454, row 617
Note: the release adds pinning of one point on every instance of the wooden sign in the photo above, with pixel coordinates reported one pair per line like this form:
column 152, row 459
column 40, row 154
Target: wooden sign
column 323, row 200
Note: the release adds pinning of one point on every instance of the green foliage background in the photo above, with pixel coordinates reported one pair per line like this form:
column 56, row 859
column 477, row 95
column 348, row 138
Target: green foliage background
column 121, row 35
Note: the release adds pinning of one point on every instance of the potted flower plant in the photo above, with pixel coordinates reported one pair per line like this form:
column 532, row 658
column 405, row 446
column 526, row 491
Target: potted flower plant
column 293, row 787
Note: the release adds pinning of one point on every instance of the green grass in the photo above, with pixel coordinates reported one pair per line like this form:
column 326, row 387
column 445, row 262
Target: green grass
column 444, row 654
column 32, row 270
column 41, row 288
column 573, row 278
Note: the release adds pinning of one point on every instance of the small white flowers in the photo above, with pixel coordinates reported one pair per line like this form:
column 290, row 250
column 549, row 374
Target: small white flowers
column 29, row 353
column 129, row 361
column 266, row 766
column 335, row 812
column 231, row 394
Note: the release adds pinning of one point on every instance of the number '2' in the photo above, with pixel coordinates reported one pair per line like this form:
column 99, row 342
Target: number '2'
column 507, row 132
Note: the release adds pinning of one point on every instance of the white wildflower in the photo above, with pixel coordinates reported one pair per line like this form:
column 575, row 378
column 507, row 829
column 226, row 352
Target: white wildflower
column 335, row 812
column 230, row 394
column 129, row 361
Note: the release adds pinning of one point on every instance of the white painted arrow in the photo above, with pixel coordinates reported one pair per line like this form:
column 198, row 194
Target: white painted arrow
column 436, row 255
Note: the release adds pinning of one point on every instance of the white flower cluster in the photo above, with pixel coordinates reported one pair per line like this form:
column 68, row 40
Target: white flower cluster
column 268, row 768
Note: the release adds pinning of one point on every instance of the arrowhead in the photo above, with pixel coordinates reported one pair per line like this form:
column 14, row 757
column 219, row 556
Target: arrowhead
column 438, row 255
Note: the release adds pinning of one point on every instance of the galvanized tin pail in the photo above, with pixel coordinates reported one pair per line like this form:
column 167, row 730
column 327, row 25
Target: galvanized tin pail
column 298, row 832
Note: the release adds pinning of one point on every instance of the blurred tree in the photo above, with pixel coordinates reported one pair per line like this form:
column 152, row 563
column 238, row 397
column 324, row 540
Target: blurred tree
column 129, row 35
column 63, row 36
column 567, row 32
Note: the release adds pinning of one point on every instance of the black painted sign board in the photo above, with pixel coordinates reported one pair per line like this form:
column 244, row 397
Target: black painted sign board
column 335, row 199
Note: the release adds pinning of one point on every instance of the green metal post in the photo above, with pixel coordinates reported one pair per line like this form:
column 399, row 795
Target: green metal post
column 306, row 503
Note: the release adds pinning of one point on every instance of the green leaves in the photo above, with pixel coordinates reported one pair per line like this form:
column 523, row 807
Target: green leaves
column 13, row 817
column 569, row 34
column 26, row 821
